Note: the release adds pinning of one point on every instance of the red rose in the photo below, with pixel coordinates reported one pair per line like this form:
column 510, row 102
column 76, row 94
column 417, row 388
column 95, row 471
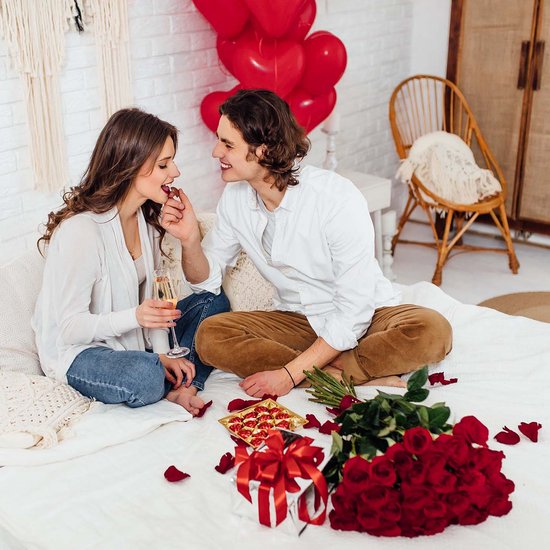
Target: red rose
column 501, row 483
column 417, row 440
column 375, row 496
column 458, row 503
column 343, row 502
column 343, row 522
column 473, row 516
column 499, row 506
column 391, row 511
column 356, row 474
column 386, row 529
column 472, row 430
column 393, row 449
column 382, row 471
column 487, row 460
column 435, row 509
column 417, row 474
column 471, row 479
column 458, row 452
column 414, row 497
column 403, row 463
column 434, row 525
column 369, row 519
column 446, row 483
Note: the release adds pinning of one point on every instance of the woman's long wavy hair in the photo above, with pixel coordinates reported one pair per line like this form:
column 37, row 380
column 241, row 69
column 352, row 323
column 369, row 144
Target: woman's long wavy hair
column 129, row 140
column 263, row 118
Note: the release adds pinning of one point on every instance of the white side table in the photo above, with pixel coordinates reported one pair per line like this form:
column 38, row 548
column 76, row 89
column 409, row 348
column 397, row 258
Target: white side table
column 377, row 191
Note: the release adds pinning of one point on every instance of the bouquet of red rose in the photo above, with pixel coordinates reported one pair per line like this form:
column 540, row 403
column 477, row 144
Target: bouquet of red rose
column 401, row 470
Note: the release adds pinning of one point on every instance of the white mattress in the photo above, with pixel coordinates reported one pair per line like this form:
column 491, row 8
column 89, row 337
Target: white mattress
column 117, row 497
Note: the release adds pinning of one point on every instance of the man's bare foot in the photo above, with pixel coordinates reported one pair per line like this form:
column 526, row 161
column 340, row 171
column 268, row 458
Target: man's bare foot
column 393, row 381
column 187, row 398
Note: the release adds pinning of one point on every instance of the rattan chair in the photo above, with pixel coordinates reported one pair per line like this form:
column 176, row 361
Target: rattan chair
column 422, row 104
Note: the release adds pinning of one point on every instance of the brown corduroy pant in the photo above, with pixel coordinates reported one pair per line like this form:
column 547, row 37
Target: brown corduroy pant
column 400, row 339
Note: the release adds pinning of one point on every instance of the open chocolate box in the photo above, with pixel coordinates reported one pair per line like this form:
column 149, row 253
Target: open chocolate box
column 253, row 423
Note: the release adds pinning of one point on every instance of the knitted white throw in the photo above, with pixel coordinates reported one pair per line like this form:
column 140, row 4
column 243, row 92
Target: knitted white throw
column 446, row 166
column 34, row 409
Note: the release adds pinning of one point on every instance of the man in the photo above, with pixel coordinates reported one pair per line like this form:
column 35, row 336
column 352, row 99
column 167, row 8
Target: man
column 309, row 233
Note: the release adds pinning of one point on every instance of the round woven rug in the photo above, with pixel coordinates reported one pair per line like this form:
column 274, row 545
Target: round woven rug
column 535, row 305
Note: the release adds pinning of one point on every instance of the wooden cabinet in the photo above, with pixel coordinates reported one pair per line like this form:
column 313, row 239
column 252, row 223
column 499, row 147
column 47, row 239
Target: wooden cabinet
column 498, row 58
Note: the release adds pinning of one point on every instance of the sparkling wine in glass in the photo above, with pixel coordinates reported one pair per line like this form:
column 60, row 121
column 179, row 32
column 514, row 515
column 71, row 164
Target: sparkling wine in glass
column 165, row 289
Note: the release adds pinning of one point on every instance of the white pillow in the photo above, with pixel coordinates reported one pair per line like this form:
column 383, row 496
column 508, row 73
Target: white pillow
column 246, row 289
column 20, row 283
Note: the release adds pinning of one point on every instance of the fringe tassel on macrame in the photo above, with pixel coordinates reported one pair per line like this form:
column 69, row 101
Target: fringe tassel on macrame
column 35, row 34
column 110, row 24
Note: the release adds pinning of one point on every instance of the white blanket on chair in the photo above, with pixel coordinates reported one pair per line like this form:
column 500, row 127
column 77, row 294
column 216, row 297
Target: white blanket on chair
column 446, row 166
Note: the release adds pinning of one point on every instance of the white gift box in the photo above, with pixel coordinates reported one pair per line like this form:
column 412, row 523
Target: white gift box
column 292, row 524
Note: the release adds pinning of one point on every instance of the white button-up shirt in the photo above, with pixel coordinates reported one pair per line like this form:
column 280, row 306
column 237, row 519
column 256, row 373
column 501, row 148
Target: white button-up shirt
column 322, row 261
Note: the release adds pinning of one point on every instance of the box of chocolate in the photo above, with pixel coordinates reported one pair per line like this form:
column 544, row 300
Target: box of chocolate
column 253, row 423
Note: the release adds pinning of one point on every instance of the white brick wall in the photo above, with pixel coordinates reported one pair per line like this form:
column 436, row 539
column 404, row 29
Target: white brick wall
column 174, row 64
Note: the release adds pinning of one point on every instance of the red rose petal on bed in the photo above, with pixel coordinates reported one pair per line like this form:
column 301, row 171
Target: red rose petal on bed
column 312, row 422
column 203, row 409
column 507, row 436
column 530, row 430
column 227, row 461
column 439, row 378
column 172, row 474
column 328, row 427
column 269, row 396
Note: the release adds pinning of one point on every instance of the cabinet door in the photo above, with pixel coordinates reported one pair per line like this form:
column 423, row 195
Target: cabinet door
column 534, row 202
column 490, row 53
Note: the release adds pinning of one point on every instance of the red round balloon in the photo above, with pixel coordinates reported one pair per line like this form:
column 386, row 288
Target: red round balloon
column 276, row 65
column 326, row 60
column 228, row 17
column 275, row 17
column 311, row 110
column 300, row 27
column 210, row 107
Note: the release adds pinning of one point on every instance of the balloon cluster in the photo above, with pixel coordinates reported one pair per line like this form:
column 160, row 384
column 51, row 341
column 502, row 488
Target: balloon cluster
column 263, row 44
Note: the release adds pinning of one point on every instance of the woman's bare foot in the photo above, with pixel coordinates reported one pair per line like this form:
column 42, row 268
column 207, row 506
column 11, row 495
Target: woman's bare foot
column 393, row 381
column 187, row 398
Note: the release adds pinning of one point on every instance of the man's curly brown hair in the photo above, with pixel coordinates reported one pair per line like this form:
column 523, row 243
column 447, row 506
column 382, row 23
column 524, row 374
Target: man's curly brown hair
column 263, row 118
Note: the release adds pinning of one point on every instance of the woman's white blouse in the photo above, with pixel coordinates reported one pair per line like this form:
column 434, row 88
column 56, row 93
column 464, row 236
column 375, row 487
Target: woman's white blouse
column 90, row 291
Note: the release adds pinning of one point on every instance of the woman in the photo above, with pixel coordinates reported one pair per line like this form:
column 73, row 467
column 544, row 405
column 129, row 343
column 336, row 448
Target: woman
column 96, row 326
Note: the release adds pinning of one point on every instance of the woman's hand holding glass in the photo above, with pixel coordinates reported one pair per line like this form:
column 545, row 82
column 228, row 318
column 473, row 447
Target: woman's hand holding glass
column 153, row 313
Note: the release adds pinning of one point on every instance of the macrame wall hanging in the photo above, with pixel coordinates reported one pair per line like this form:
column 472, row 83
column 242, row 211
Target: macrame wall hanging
column 110, row 26
column 35, row 35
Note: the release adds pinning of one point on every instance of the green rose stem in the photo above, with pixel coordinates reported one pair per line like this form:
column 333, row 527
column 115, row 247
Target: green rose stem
column 326, row 389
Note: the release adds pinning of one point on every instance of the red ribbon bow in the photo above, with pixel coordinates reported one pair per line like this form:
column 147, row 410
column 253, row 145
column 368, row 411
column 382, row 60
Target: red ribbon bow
column 277, row 468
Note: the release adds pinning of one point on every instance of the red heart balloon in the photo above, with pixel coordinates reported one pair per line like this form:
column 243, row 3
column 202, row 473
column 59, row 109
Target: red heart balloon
column 228, row 17
column 300, row 27
column 227, row 47
column 311, row 111
column 275, row 17
column 210, row 107
column 326, row 60
column 276, row 65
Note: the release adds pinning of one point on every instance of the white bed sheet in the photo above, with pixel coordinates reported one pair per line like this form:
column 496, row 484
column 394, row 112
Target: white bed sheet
column 117, row 497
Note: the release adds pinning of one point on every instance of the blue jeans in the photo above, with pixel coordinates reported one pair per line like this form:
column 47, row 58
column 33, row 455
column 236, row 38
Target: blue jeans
column 137, row 377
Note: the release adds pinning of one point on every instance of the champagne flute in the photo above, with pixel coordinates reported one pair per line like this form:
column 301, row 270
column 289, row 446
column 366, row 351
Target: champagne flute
column 164, row 289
